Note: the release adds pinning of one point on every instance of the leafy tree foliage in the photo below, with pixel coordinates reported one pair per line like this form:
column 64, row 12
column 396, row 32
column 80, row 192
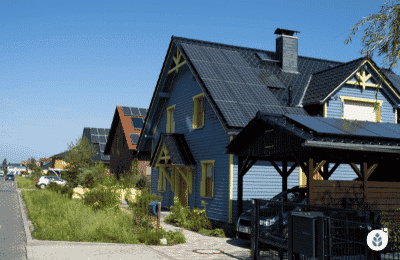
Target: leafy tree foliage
column 383, row 34
column 79, row 158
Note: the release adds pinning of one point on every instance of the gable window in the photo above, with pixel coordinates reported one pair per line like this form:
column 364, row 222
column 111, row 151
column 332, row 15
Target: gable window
column 171, row 119
column 207, row 179
column 198, row 110
column 361, row 109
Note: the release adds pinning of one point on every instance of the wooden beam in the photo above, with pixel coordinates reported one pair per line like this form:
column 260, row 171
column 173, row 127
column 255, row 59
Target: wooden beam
column 356, row 170
column 276, row 168
column 333, row 170
column 364, row 170
column 318, row 167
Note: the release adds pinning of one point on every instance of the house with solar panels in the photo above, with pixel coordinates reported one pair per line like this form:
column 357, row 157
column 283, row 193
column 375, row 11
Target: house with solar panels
column 98, row 138
column 207, row 93
column 121, row 143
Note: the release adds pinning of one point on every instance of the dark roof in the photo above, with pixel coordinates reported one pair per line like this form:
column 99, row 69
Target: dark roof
column 240, row 84
column 98, row 137
column 134, row 111
column 136, row 121
column 177, row 148
column 393, row 79
column 59, row 154
column 324, row 82
column 325, row 132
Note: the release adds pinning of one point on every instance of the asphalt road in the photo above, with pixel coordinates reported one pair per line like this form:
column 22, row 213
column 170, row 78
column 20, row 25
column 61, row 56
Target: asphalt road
column 12, row 234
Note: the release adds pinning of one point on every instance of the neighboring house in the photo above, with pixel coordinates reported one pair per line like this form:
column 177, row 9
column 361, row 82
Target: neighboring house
column 121, row 144
column 208, row 92
column 14, row 167
column 98, row 137
column 57, row 161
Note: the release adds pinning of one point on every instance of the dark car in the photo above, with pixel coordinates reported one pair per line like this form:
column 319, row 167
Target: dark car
column 269, row 214
column 10, row 177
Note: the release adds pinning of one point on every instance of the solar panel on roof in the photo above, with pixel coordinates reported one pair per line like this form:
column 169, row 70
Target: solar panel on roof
column 135, row 111
column 385, row 129
column 143, row 111
column 333, row 126
column 102, row 146
column 137, row 122
column 134, row 138
column 93, row 131
column 350, row 127
column 102, row 139
column 100, row 131
column 127, row 111
column 95, row 139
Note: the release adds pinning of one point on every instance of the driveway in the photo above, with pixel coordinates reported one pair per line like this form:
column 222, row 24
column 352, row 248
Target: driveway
column 12, row 234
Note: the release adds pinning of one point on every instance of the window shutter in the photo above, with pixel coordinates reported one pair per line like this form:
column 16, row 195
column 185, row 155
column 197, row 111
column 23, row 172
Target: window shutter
column 203, row 180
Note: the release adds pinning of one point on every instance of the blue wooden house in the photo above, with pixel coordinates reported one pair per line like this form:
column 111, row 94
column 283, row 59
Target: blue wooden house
column 208, row 92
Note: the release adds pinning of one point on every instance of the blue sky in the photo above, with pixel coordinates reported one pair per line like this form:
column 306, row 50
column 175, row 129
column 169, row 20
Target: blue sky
column 66, row 65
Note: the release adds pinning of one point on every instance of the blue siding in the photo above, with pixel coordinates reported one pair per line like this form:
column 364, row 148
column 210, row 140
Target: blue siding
column 334, row 104
column 206, row 143
column 261, row 181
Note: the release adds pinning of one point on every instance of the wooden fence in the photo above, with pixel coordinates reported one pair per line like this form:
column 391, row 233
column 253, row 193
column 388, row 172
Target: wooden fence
column 381, row 196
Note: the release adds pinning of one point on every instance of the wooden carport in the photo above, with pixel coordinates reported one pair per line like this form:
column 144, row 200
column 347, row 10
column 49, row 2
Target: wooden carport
column 274, row 137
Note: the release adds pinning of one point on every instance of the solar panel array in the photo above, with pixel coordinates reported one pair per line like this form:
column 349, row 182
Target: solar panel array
column 348, row 127
column 99, row 137
column 233, row 83
column 134, row 138
column 134, row 111
column 137, row 122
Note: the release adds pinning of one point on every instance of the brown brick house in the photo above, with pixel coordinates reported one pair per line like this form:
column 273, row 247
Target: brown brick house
column 121, row 142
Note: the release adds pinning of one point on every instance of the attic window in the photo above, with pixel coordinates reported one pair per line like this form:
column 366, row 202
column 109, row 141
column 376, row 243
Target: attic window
column 265, row 57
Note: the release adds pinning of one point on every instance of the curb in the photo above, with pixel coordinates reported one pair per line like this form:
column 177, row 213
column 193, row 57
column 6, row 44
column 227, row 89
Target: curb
column 27, row 223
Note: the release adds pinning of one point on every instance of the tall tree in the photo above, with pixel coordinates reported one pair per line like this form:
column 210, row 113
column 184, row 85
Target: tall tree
column 78, row 157
column 382, row 35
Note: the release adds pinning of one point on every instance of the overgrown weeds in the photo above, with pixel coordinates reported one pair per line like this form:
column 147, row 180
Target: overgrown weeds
column 195, row 220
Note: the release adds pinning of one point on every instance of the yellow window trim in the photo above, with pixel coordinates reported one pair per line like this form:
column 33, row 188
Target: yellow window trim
column 361, row 100
column 196, row 110
column 230, row 183
column 170, row 128
column 203, row 178
column 395, row 115
column 325, row 109
column 199, row 96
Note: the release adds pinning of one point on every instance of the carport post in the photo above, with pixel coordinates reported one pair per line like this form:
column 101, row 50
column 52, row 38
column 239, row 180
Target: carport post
column 240, row 186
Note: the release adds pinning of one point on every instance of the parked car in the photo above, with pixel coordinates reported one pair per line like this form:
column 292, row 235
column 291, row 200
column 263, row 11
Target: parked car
column 1, row 173
column 44, row 181
column 10, row 177
column 269, row 224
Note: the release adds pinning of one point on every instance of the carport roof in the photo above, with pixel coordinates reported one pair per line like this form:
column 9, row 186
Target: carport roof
column 315, row 132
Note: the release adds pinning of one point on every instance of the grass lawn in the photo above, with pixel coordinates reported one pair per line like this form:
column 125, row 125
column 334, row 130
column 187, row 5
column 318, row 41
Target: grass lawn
column 58, row 218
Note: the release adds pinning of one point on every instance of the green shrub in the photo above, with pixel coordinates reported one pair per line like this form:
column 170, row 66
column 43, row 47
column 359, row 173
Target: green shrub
column 394, row 233
column 141, row 210
column 101, row 199
column 61, row 189
column 149, row 237
column 174, row 237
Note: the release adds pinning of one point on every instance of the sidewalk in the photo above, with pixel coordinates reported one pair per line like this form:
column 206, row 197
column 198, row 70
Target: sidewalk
column 196, row 247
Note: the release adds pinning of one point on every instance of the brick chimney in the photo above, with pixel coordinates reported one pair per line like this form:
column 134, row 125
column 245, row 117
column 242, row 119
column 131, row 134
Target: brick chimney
column 287, row 49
